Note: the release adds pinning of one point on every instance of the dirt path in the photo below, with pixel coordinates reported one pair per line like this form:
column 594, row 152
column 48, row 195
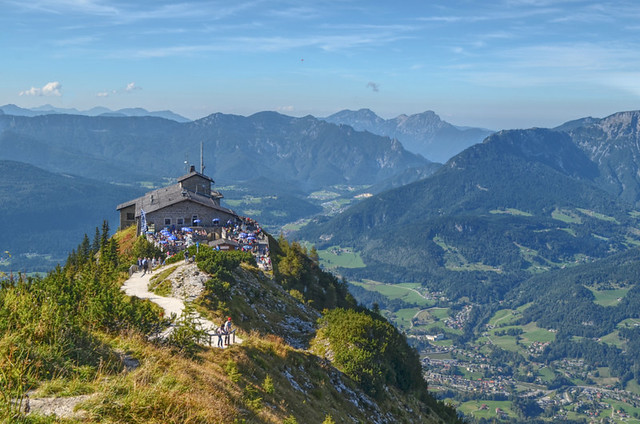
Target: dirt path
column 137, row 285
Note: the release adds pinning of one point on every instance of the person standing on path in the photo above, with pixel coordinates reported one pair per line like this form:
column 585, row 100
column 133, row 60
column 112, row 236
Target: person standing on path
column 145, row 266
column 219, row 332
column 227, row 331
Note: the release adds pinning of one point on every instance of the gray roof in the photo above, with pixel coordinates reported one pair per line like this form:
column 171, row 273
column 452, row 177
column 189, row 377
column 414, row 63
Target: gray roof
column 192, row 174
column 167, row 196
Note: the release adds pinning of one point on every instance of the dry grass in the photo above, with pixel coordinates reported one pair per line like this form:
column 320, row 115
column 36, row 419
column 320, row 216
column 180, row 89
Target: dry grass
column 126, row 239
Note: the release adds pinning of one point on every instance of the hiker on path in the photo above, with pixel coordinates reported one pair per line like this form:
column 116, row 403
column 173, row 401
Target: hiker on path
column 219, row 332
column 145, row 266
column 227, row 331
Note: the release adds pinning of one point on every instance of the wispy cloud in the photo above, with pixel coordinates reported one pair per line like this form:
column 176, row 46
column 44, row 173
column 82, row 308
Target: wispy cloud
column 271, row 44
column 49, row 89
column 91, row 7
column 491, row 15
column 569, row 64
column 75, row 41
column 134, row 11
column 130, row 87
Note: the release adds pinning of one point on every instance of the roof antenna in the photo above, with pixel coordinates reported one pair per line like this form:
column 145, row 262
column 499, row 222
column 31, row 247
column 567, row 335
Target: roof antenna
column 201, row 159
column 186, row 162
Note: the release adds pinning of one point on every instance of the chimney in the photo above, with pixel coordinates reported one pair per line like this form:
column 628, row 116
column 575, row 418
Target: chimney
column 192, row 168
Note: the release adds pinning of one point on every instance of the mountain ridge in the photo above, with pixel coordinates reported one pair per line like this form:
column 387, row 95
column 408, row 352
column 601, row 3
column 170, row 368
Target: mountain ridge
column 424, row 133
column 266, row 144
column 47, row 109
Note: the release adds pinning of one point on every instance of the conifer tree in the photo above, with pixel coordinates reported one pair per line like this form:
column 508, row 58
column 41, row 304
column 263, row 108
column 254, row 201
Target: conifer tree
column 95, row 246
column 84, row 250
column 314, row 256
column 104, row 238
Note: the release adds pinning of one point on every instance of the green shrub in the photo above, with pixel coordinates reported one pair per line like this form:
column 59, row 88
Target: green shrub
column 267, row 385
column 370, row 351
column 302, row 277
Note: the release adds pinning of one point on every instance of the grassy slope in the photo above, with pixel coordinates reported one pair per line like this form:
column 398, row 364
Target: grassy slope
column 263, row 380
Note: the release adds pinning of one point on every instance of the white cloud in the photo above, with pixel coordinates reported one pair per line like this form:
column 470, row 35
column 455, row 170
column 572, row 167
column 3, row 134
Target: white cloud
column 50, row 89
column 103, row 94
column 285, row 109
column 132, row 87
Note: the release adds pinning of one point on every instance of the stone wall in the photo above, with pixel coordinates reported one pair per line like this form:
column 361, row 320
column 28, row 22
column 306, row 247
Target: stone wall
column 186, row 210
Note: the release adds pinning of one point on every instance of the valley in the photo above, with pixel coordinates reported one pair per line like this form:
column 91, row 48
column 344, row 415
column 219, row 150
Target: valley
column 512, row 268
column 502, row 371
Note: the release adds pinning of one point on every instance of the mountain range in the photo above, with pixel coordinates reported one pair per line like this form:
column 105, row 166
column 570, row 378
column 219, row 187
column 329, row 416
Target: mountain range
column 268, row 163
column 11, row 109
column 526, row 251
column 424, row 133
column 44, row 212
column 236, row 148
column 523, row 201
column 540, row 225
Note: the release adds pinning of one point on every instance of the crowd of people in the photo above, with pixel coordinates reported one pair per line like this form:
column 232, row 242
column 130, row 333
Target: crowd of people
column 245, row 232
column 147, row 264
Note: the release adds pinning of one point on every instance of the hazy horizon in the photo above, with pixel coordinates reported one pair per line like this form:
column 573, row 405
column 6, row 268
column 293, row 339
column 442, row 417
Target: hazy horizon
column 499, row 64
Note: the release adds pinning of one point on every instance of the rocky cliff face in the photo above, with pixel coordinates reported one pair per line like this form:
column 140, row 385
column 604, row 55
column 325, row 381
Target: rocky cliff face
column 613, row 143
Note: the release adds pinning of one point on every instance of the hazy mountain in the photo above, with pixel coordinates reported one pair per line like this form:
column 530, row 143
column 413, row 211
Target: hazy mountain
column 96, row 111
column 46, row 213
column 303, row 152
column 523, row 201
column 424, row 133
column 12, row 109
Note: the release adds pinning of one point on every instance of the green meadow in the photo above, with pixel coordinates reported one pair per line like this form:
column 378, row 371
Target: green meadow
column 340, row 257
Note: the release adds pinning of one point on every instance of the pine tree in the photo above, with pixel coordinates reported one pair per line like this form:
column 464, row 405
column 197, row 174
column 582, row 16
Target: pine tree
column 95, row 246
column 314, row 256
column 104, row 238
column 84, row 250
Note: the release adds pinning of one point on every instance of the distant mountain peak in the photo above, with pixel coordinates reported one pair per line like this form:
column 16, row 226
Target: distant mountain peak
column 423, row 133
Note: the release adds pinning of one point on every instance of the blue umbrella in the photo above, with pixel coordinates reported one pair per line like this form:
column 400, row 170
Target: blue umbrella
column 172, row 237
column 197, row 221
column 187, row 229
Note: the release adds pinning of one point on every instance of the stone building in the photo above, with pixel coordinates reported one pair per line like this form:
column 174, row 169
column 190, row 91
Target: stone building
column 190, row 202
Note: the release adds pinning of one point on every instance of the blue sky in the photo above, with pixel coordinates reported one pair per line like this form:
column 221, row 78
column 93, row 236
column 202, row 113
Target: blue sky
column 495, row 64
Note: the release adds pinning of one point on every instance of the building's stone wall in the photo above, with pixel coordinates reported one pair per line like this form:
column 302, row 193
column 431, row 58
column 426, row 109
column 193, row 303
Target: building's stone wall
column 185, row 211
column 197, row 184
column 127, row 216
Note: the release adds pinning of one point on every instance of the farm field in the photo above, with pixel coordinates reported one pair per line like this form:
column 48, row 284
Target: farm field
column 405, row 292
column 340, row 257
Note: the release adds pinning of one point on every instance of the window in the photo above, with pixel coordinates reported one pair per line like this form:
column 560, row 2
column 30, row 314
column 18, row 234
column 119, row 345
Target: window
column 167, row 221
column 194, row 218
column 180, row 221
